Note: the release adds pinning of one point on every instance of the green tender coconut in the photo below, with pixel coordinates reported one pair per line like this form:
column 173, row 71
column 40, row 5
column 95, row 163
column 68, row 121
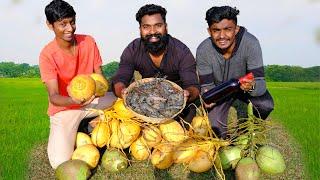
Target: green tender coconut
column 73, row 169
column 270, row 160
column 114, row 161
column 229, row 156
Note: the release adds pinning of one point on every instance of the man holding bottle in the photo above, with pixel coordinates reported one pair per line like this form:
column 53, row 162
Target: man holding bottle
column 230, row 53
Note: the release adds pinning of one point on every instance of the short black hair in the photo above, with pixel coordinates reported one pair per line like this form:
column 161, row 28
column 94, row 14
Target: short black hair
column 57, row 10
column 217, row 14
column 150, row 9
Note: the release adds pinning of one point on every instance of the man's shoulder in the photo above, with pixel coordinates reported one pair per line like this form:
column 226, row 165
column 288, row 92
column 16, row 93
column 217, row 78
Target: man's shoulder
column 84, row 38
column 205, row 45
column 249, row 39
column 134, row 44
column 49, row 48
column 177, row 44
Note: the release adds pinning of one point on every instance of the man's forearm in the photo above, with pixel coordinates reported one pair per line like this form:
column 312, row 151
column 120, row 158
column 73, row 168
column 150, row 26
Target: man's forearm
column 59, row 100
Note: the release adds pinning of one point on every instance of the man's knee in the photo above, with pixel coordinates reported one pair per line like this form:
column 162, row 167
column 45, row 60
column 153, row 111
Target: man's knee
column 55, row 163
column 268, row 107
column 56, row 157
column 263, row 105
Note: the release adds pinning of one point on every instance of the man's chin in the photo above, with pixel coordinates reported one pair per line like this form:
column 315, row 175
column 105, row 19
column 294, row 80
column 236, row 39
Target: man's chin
column 223, row 47
column 68, row 38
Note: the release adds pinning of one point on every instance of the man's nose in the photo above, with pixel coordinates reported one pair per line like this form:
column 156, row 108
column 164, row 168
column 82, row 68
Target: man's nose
column 69, row 27
column 153, row 29
column 222, row 34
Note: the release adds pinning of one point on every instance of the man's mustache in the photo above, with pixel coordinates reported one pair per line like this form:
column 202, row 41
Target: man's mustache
column 223, row 39
column 149, row 36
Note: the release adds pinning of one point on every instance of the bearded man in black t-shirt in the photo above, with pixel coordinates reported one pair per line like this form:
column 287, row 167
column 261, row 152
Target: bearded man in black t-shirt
column 157, row 54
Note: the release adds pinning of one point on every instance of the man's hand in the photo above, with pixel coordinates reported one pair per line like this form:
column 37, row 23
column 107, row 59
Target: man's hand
column 208, row 106
column 247, row 85
column 186, row 94
column 82, row 102
column 119, row 88
column 192, row 93
column 124, row 92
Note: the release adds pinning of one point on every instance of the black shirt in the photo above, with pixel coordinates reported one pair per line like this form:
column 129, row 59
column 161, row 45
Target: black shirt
column 178, row 64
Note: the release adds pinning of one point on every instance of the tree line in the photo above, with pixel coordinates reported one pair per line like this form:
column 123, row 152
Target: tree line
column 276, row 73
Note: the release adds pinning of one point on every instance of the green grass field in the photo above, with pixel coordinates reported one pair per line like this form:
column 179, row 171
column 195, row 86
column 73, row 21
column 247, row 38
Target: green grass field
column 297, row 107
column 25, row 124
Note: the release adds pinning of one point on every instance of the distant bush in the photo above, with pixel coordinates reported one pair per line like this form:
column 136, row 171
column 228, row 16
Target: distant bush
column 10, row 69
column 110, row 69
column 292, row 73
column 274, row 73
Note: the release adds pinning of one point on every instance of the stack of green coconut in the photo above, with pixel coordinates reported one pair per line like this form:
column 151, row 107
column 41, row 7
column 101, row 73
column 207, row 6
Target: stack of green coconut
column 249, row 153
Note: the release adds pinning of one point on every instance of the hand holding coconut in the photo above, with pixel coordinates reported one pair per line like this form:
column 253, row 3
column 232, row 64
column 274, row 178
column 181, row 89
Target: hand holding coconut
column 84, row 88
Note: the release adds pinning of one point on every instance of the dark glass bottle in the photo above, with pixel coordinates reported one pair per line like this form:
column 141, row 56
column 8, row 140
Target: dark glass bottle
column 225, row 89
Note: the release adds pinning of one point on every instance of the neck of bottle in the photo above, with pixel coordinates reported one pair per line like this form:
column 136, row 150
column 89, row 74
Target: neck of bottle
column 225, row 90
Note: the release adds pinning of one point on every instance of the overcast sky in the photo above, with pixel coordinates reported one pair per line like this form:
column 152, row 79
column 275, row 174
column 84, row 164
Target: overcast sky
column 286, row 28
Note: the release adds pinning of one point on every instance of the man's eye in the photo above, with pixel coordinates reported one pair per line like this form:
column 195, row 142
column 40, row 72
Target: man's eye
column 145, row 27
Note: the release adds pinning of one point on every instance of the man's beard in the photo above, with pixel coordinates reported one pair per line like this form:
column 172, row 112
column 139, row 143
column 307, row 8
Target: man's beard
column 156, row 47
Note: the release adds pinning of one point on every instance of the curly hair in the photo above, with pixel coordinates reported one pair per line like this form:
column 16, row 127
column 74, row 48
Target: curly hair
column 217, row 14
column 150, row 9
column 57, row 10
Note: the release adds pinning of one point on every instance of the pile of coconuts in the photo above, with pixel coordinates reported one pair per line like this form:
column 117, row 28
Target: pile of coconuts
column 250, row 154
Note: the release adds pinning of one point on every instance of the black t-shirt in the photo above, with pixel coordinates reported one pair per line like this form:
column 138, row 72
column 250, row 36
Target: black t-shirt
column 178, row 64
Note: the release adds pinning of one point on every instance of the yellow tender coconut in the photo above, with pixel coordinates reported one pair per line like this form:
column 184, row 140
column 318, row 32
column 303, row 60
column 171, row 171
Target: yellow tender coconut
column 82, row 139
column 151, row 135
column 199, row 125
column 115, row 133
column 121, row 109
column 82, row 87
column 185, row 152
column 129, row 133
column 200, row 163
column 139, row 149
column 100, row 134
column 162, row 156
column 87, row 153
column 123, row 133
column 102, row 84
column 172, row 131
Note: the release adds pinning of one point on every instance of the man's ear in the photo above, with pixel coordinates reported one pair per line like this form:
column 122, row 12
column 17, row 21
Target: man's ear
column 208, row 29
column 237, row 29
column 50, row 26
